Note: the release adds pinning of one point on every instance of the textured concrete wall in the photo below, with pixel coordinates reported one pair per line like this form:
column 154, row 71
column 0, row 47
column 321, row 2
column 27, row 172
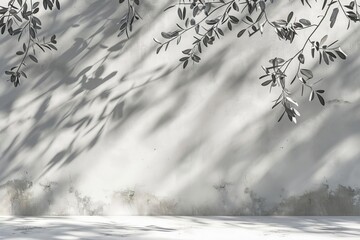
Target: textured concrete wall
column 106, row 126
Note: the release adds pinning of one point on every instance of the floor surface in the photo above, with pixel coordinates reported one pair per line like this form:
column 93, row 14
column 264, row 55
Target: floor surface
column 159, row 228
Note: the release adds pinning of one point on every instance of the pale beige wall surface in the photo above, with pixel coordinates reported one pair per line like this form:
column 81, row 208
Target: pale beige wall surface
column 106, row 126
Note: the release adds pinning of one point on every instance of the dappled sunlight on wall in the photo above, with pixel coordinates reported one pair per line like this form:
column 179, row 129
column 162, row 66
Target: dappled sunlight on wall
column 109, row 127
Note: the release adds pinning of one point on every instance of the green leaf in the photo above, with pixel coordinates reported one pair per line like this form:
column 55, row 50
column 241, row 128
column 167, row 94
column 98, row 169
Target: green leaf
column 266, row 83
column 3, row 10
column 186, row 51
column 241, row 33
column 307, row 73
column 183, row 59
column 212, row 21
column 262, row 5
column 45, row 3
column 220, row 32
column 305, row 22
column 301, row 58
column 32, row 57
column 291, row 14
column 325, row 57
column 157, row 41
column 312, row 95
column 321, row 99
column 234, row 19
column 165, row 35
column 282, row 82
column 32, row 32
column 196, row 58
column 323, row 39
column 58, row 4
column 24, row 74
column 229, row 25
column 185, row 63
column 180, row 13
column 324, row 4
column 340, row 53
column 235, row 6
column 249, row 19
column 158, row 49
column 333, row 17
column 52, row 46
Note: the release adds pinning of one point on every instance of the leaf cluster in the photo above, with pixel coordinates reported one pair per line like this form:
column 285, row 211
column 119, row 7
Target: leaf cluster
column 19, row 19
column 131, row 16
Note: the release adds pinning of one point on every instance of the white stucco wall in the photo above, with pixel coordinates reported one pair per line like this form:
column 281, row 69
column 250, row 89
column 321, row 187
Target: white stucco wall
column 112, row 128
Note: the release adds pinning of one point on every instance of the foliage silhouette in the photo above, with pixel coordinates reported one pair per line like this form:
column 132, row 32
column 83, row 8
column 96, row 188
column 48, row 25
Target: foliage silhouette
column 206, row 21
column 17, row 19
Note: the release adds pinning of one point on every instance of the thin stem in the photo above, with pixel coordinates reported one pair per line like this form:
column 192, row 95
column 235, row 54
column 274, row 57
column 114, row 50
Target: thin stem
column 267, row 20
column 193, row 26
column 342, row 8
column 28, row 45
column 127, row 19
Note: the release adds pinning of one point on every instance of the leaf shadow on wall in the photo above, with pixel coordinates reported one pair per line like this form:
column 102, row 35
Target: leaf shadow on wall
column 101, row 100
